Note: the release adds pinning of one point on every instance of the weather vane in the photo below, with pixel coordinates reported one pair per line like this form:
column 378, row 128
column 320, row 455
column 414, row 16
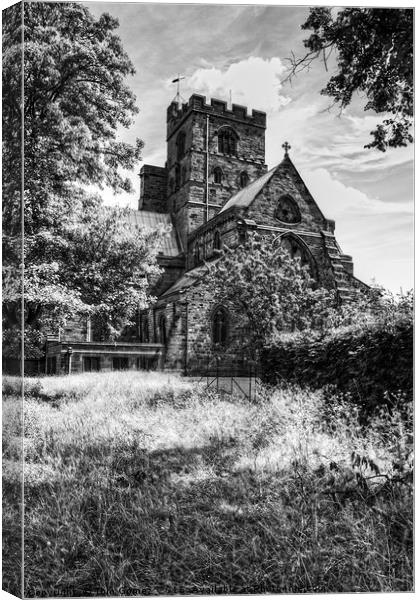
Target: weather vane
column 286, row 147
column 178, row 98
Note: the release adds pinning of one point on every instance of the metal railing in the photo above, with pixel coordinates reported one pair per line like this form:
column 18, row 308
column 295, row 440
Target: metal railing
column 231, row 369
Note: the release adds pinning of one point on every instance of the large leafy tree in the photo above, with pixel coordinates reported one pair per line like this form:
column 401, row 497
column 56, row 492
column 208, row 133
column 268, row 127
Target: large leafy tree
column 374, row 52
column 75, row 99
column 270, row 291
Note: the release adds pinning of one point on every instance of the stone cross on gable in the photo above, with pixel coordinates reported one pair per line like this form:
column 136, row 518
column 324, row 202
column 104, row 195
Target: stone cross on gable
column 286, row 147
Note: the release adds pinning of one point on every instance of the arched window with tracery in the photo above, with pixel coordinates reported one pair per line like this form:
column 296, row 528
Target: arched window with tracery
column 162, row 330
column 287, row 210
column 180, row 145
column 299, row 251
column 227, row 141
column 243, row 179
column 217, row 175
column 219, row 326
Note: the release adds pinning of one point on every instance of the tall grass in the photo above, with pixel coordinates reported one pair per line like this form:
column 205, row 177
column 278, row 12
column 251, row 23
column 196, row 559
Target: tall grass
column 150, row 484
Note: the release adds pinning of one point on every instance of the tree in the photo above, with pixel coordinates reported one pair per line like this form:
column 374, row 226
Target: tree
column 75, row 99
column 103, row 268
column 374, row 50
column 271, row 291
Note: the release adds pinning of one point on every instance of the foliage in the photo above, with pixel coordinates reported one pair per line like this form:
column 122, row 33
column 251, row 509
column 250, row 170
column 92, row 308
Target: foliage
column 371, row 358
column 75, row 100
column 374, row 50
column 103, row 269
column 138, row 486
column 112, row 264
column 269, row 289
column 373, row 306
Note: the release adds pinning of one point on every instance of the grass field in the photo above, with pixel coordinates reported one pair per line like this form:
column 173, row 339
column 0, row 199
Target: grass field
column 143, row 483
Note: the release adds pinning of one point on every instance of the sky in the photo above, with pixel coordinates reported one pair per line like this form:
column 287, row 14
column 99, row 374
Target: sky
column 245, row 50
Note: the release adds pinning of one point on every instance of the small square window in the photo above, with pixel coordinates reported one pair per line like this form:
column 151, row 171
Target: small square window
column 91, row 363
column 120, row 363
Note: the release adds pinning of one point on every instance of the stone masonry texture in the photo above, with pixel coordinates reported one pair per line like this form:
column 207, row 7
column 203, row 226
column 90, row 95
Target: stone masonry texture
column 195, row 184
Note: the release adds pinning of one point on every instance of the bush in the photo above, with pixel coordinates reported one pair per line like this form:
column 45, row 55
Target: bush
column 374, row 365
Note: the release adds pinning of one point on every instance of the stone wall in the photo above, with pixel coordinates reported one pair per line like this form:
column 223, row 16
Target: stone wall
column 173, row 267
column 190, row 347
column 188, row 202
column 175, row 313
column 226, row 226
column 286, row 182
column 153, row 188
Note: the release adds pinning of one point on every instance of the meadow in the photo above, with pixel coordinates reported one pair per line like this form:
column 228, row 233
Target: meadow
column 148, row 483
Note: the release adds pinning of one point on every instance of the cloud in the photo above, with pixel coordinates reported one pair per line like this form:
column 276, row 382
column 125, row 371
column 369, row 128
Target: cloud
column 254, row 82
column 342, row 201
column 323, row 139
column 378, row 235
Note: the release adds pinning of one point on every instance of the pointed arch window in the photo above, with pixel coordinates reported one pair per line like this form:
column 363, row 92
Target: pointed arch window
column 219, row 326
column 199, row 253
column 218, row 175
column 243, row 179
column 299, row 251
column 196, row 255
column 217, row 240
column 144, row 328
column 162, row 330
column 227, row 141
column 180, row 145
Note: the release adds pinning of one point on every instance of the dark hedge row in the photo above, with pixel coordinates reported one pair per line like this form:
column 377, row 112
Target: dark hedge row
column 373, row 365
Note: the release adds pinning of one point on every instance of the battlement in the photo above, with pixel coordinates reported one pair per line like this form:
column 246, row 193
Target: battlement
column 176, row 114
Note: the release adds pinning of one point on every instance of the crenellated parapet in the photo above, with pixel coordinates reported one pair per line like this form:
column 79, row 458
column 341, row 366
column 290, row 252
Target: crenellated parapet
column 176, row 113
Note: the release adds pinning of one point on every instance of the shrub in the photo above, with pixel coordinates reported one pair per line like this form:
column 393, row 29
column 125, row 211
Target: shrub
column 373, row 364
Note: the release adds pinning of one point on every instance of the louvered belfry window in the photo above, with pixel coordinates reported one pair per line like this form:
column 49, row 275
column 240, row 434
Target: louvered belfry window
column 218, row 175
column 180, row 145
column 227, row 141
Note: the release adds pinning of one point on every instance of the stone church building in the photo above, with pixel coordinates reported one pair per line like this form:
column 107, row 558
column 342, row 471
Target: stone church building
column 214, row 188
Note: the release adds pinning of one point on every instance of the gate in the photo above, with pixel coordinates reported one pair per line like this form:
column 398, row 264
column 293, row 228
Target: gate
column 228, row 370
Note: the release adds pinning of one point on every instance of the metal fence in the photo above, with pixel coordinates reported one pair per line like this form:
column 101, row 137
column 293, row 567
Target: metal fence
column 229, row 370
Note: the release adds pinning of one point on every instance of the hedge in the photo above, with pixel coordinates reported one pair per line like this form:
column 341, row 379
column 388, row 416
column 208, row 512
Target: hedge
column 374, row 365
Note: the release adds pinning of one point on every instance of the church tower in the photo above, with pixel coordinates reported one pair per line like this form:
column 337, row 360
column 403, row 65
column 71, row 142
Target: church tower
column 212, row 152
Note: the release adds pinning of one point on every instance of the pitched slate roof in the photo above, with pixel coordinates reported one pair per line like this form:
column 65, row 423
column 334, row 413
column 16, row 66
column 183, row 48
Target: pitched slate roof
column 187, row 280
column 247, row 195
column 151, row 220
